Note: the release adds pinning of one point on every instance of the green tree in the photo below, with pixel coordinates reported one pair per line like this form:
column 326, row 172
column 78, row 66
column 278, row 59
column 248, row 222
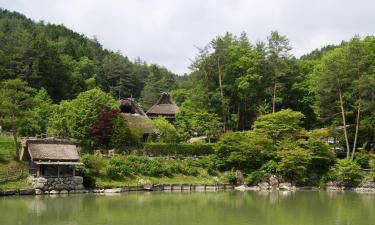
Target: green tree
column 277, row 55
column 76, row 118
column 121, row 137
column 17, row 100
column 167, row 133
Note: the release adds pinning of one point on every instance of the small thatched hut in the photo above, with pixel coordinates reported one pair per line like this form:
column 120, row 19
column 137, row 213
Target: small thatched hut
column 136, row 118
column 50, row 157
column 164, row 107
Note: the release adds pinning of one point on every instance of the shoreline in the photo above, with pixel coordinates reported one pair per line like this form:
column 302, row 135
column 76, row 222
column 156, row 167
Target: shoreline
column 145, row 188
column 360, row 189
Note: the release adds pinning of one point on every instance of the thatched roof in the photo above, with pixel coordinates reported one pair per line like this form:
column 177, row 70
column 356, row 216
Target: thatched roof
column 139, row 122
column 129, row 105
column 164, row 106
column 49, row 149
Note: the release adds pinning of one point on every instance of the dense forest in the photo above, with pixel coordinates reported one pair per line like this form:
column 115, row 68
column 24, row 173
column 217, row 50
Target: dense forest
column 231, row 77
column 66, row 63
column 262, row 105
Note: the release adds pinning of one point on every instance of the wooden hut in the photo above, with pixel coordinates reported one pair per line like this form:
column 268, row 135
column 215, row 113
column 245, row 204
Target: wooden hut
column 136, row 118
column 164, row 107
column 50, row 157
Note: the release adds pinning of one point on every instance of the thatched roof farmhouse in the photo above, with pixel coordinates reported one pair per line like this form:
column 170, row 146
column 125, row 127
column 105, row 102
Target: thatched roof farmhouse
column 164, row 107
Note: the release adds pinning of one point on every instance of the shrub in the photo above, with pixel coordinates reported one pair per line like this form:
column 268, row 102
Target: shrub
column 118, row 167
column 164, row 149
column 363, row 159
column 242, row 150
column 256, row 177
column 294, row 163
column 346, row 171
column 230, row 177
column 92, row 163
column 270, row 167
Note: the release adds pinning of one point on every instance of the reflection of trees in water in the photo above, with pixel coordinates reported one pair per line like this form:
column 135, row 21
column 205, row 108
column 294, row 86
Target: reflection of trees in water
column 289, row 208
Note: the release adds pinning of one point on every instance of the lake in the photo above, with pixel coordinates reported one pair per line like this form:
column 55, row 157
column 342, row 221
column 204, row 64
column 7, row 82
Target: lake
column 211, row 208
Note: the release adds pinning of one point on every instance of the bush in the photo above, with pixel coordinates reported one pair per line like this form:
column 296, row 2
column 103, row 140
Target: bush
column 118, row 167
column 363, row 159
column 256, row 177
column 133, row 165
column 242, row 150
column 164, row 149
column 230, row 177
column 92, row 163
column 294, row 163
column 347, row 172
column 270, row 167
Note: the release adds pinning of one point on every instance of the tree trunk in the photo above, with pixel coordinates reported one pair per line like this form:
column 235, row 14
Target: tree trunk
column 274, row 98
column 15, row 142
column 356, row 131
column 221, row 94
column 344, row 123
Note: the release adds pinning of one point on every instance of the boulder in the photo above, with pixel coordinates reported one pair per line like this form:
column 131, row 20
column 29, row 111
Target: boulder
column 62, row 192
column 27, row 191
column 40, row 180
column 246, row 188
column 9, row 192
column 285, row 186
column 54, row 192
column 79, row 187
column 39, row 192
column 39, row 185
column 274, row 182
column 78, row 180
column 264, row 185
column 113, row 190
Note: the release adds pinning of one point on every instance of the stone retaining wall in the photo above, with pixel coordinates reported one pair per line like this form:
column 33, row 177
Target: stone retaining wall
column 55, row 185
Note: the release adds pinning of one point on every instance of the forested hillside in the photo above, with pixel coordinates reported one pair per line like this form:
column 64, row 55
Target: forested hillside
column 232, row 81
column 66, row 63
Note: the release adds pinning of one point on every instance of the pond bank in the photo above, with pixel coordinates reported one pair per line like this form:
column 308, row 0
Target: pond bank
column 158, row 187
column 367, row 187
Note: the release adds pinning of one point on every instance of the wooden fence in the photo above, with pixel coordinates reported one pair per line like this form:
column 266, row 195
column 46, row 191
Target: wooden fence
column 13, row 174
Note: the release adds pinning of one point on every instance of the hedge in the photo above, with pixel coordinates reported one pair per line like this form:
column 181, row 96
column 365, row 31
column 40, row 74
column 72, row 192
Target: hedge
column 164, row 149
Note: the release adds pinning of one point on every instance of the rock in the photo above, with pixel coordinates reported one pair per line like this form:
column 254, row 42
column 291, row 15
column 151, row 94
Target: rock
column 367, row 185
column 263, row 186
column 274, row 182
column 40, row 180
column 79, row 187
column 246, row 188
column 39, row 185
column 113, row 190
column 78, row 191
column 59, row 186
column 39, row 192
column 285, row 186
column 62, row 192
column 54, row 192
column 78, row 180
column 9, row 192
column 239, row 177
column 27, row 191
column 46, row 192
column 98, row 191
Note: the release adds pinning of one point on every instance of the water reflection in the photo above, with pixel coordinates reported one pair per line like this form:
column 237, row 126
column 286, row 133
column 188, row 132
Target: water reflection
column 224, row 208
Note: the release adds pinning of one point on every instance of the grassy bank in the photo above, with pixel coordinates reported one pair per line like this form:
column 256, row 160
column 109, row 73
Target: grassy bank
column 9, row 167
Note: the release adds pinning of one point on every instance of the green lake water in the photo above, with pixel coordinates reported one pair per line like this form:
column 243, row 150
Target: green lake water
column 214, row 208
